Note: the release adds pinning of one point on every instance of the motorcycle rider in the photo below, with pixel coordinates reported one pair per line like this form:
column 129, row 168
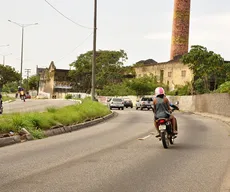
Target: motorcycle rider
column 0, row 101
column 161, row 109
column 21, row 91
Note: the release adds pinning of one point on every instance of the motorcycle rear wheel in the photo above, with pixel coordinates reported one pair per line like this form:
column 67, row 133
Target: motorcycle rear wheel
column 164, row 139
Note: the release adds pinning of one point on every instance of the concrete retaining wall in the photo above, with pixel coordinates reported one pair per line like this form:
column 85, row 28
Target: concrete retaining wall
column 213, row 103
column 218, row 103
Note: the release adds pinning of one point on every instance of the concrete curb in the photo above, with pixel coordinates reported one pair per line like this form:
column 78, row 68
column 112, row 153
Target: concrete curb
column 57, row 131
column 10, row 140
column 224, row 119
column 8, row 101
column 67, row 129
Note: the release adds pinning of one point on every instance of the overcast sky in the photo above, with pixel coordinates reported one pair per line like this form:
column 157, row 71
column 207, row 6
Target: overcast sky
column 140, row 27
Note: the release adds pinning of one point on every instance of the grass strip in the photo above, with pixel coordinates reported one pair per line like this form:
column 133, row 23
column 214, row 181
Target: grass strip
column 37, row 122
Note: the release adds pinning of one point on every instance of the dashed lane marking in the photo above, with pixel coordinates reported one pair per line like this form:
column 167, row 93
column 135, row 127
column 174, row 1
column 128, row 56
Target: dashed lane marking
column 143, row 138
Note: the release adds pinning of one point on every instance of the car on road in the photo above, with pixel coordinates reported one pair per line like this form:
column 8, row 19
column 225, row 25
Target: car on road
column 144, row 103
column 128, row 103
column 116, row 102
column 28, row 96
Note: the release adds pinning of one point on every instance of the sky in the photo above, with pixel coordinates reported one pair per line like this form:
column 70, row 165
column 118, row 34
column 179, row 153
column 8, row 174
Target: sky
column 142, row 28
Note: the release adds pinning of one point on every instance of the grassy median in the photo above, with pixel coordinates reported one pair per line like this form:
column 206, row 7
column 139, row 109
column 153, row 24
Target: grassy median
column 7, row 98
column 36, row 122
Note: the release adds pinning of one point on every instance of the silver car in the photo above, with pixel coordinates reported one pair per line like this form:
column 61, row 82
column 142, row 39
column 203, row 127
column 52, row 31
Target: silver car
column 115, row 102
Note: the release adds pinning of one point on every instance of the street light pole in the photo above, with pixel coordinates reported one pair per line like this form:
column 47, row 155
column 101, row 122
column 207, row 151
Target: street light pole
column 4, row 45
column 22, row 26
column 3, row 57
column 94, row 51
column 22, row 51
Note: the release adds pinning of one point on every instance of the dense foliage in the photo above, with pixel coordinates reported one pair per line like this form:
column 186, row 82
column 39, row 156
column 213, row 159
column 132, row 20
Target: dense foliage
column 109, row 69
column 8, row 74
column 209, row 69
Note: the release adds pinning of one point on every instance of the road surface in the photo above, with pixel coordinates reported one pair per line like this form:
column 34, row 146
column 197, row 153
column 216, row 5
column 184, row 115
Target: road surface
column 34, row 105
column 121, row 155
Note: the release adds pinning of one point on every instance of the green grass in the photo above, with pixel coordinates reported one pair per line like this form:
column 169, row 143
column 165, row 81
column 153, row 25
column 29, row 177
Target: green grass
column 7, row 98
column 36, row 123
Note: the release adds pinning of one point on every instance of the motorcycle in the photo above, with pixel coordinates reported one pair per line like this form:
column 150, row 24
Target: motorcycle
column 166, row 130
column 22, row 96
column 1, row 107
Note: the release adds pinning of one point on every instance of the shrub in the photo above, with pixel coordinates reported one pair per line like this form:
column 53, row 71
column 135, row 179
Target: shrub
column 68, row 96
column 51, row 109
column 224, row 88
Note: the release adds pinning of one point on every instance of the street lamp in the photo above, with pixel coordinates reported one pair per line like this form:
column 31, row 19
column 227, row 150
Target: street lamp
column 22, row 26
column 4, row 45
column 3, row 62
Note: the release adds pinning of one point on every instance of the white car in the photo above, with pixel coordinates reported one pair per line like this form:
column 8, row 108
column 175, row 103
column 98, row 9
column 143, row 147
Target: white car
column 144, row 102
column 116, row 102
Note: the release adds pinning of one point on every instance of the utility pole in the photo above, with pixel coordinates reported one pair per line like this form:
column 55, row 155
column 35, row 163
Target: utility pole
column 38, row 76
column 27, row 77
column 94, row 51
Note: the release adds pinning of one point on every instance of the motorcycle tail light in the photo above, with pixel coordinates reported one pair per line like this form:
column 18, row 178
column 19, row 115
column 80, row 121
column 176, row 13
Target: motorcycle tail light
column 162, row 121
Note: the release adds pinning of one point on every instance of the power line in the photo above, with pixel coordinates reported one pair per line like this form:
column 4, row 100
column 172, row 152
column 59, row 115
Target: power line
column 66, row 16
column 75, row 47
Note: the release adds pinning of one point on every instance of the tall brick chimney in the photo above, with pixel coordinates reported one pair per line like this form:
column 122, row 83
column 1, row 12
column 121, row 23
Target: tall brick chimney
column 180, row 29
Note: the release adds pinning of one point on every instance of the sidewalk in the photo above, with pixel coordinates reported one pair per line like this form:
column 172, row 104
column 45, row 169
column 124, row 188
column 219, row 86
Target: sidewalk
column 225, row 119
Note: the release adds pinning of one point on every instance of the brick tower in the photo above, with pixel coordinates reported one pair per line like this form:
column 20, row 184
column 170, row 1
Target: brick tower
column 180, row 29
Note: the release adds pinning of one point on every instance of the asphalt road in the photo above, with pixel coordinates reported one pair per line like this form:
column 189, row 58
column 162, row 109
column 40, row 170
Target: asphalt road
column 109, row 157
column 34, row 105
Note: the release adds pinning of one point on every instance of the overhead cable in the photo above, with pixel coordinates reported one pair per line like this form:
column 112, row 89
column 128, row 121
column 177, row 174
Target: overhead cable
column 66, row 16
column 75, row 47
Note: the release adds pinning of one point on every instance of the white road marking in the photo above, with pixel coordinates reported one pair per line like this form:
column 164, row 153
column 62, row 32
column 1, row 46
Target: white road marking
column 143, row 138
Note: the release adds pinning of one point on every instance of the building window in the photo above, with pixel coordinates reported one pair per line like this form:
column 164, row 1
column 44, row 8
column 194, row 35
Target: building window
column 183, row 73
column 169, row 74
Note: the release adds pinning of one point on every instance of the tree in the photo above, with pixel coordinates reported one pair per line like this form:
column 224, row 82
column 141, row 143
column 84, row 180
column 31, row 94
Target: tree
column 143, row 85
column 116, row 90
column 10, row 87
column 33, row 82
column 108, row 69
column 8, row 74
column 207, row 66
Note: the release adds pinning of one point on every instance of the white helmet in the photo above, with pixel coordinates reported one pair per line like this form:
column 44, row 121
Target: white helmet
column 159, row 91
column 19, row 86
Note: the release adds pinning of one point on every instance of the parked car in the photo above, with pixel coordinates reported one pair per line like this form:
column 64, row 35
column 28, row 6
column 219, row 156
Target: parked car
column 116, row 102
column 128, row 103
column 144, row 102
column 28, row 96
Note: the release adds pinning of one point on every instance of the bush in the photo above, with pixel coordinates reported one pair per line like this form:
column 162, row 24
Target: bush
column 224, row 88
column 68, row 96
column 51, row 109
column 181, row 90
